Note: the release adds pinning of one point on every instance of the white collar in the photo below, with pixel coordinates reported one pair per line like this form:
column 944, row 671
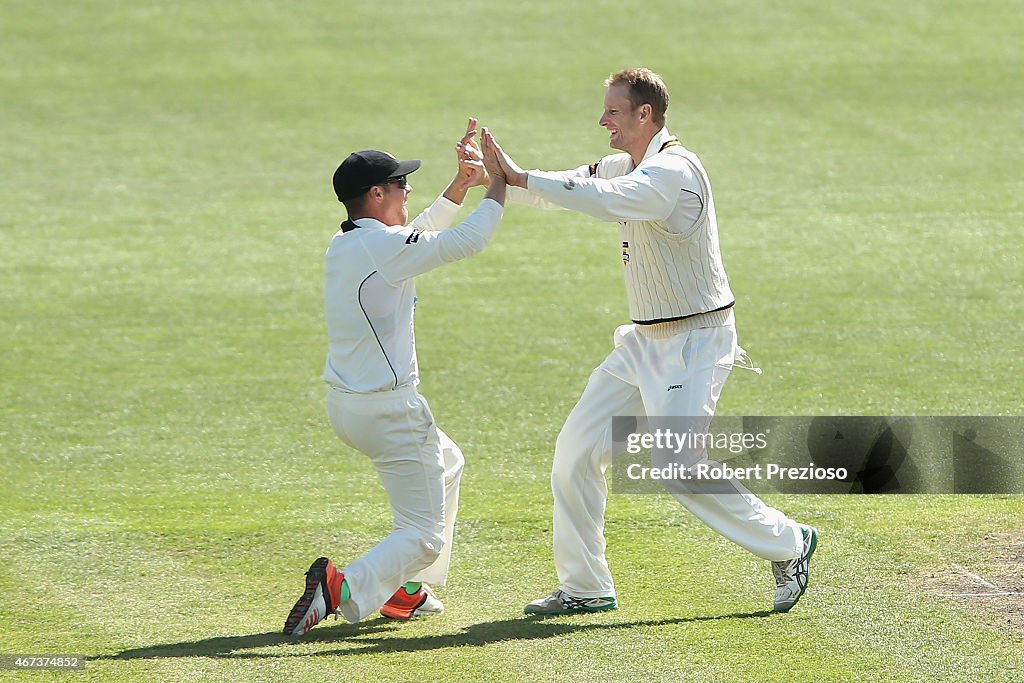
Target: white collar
column 367, row 222
column 659, row 139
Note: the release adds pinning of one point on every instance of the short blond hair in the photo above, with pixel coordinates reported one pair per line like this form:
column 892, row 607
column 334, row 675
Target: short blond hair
column 645, row 87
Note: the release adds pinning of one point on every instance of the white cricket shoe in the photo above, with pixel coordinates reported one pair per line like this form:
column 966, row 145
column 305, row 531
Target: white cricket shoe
column 791, row 576
column 561, row 602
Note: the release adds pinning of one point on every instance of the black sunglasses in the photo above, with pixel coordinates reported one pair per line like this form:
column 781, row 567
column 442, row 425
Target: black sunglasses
column 401, row 181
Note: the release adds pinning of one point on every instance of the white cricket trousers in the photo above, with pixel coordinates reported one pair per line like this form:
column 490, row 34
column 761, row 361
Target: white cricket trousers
column 420, row 468
column 635, row 379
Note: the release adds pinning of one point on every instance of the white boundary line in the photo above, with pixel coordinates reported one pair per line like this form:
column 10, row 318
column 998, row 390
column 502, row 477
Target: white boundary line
column 977, row 579
column 996, row 590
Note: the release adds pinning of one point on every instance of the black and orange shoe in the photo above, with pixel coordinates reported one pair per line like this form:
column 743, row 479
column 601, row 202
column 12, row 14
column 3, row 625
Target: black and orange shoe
column 403, row 605
column 320, row 600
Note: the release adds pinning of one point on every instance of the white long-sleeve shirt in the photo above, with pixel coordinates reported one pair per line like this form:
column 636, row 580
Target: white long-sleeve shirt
column 370, row 290
column 667, row 224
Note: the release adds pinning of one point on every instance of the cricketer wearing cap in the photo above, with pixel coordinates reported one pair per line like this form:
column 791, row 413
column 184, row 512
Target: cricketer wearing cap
column 371, row 370
column 672, row 360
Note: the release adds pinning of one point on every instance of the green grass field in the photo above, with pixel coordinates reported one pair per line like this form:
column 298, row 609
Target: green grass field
column 169, row 472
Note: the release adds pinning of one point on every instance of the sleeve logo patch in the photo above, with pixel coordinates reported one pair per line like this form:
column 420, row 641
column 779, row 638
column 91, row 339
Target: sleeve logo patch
column 413, row 237
column 569, row 184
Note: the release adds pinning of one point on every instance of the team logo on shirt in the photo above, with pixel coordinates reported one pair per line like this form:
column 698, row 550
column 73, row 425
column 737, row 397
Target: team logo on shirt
column 413, row 237
column 625, row 253
column 569, row 184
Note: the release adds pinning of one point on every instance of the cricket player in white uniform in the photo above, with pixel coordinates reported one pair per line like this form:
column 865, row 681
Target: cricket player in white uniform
column 371, row 370
column 672, row 361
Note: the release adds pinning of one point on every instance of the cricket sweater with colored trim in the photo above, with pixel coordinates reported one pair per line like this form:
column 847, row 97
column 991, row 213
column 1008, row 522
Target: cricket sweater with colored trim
column 672, row 261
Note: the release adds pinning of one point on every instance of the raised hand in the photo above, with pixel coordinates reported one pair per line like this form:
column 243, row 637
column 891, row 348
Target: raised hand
column 471, row 169
column 496, row 161
column 490, row 156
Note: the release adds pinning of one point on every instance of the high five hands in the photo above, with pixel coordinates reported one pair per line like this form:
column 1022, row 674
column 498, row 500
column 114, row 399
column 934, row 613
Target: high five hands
column 476, row 165
column 495, row 156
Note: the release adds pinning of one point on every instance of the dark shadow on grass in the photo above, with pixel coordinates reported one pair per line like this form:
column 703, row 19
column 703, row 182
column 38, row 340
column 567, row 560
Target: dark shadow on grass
column 367, row 637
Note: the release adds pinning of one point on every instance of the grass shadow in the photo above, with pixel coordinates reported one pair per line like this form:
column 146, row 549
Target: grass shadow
column 374, row 637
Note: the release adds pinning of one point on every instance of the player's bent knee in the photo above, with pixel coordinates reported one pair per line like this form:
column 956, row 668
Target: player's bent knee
column 567, row 470
column 431, row 546
column 573, row 451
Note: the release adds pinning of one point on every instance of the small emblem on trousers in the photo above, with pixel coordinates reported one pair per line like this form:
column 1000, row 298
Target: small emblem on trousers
column 625, row 253
column 675, row 386
column 569, row 184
